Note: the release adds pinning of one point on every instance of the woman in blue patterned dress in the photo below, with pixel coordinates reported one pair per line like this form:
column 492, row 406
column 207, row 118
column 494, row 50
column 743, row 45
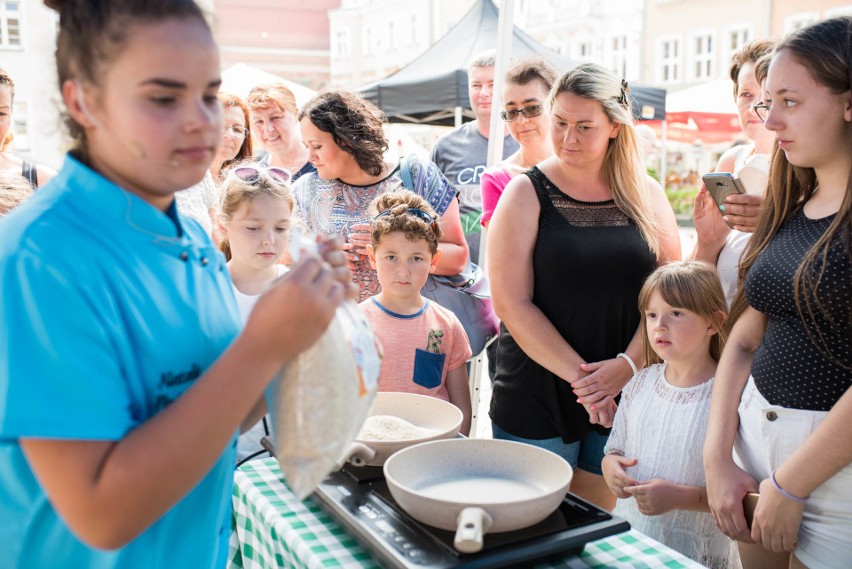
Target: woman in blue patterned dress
column 345, row 141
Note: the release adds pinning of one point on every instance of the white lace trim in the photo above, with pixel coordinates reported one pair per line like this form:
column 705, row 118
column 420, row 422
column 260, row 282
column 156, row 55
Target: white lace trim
column 664, row 427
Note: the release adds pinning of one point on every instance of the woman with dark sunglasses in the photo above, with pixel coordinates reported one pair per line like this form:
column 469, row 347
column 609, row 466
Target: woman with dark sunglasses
column 343, row 134
column 524, row 94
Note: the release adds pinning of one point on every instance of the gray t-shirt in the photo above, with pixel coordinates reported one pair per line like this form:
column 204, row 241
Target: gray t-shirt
column 462, row 154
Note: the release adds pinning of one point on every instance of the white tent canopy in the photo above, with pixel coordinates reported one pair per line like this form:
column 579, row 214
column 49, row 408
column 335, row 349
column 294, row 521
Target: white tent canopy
column 241, row 78
column 716, row 97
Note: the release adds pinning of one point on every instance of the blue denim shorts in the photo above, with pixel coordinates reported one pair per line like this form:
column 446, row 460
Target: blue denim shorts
column 586, row 454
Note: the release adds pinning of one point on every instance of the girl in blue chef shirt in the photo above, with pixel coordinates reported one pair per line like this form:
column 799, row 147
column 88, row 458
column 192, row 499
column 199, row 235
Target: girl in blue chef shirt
column 123, row 380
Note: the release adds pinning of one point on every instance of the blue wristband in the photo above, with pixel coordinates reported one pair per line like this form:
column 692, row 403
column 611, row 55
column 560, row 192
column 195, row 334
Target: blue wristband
column 784, row 492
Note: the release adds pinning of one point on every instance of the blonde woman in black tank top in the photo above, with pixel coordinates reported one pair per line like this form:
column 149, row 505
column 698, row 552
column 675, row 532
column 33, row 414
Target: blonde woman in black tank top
column 569, row 246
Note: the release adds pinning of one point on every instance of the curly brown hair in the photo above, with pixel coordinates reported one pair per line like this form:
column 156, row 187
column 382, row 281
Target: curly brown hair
column 354, row 123
column 392, row 212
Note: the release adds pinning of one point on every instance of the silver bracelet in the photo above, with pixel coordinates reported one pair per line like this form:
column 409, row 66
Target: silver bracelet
column 629, row 361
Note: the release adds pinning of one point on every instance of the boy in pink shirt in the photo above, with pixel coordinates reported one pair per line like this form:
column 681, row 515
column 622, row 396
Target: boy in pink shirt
column 425, row 345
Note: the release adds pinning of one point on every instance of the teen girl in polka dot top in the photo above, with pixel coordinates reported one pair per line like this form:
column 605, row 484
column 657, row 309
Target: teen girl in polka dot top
column 793, row 325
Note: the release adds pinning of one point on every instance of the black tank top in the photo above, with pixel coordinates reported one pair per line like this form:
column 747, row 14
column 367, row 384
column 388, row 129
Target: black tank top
column 589, row 263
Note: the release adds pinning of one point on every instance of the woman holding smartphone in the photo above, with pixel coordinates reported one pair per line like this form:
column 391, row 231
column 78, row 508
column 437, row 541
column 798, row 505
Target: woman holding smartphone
column 723, row 231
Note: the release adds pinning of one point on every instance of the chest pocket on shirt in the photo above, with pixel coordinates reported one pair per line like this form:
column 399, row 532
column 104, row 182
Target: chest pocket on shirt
column 428, row 368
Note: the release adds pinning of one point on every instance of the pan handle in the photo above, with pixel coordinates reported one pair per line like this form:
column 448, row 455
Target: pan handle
column 358, row 454
column 472, row 524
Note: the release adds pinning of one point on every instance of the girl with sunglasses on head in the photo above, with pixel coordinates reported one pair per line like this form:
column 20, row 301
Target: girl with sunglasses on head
column 125, row 379
column 345, row 140
column 524, row 97
column 782, row 399
column 256, row 217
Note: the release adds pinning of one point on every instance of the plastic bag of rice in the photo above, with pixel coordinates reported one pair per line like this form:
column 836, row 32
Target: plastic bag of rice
column 321, row 398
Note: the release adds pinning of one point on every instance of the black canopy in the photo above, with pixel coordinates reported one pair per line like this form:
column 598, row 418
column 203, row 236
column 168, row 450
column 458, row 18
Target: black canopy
column 428, row 89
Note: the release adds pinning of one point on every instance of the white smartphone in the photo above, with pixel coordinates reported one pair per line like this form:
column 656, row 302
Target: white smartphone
column 720, row 185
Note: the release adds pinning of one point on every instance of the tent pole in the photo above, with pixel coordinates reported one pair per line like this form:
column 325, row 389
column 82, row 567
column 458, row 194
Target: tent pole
column 663, row 157
column 458, row 116
column 505, row 31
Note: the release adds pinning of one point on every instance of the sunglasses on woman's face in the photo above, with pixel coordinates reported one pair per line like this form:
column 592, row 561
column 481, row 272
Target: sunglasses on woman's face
column 251, row 174
column 528, row 112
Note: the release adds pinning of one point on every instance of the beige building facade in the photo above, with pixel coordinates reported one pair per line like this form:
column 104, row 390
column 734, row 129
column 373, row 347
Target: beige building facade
column 687, row 42
column 607, row 32
column 370, row 39
column 289, row 38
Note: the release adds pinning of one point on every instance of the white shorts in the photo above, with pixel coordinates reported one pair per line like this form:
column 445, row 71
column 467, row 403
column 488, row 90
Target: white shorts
column 767, row 436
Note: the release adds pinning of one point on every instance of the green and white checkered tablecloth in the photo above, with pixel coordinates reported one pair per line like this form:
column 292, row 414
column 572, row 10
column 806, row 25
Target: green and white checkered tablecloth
column 271, row 528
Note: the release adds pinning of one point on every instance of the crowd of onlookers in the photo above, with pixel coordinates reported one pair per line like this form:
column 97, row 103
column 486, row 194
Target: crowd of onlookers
column 150, row 293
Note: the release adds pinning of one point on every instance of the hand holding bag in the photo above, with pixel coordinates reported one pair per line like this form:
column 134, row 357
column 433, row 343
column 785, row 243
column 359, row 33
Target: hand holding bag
column 467, row 294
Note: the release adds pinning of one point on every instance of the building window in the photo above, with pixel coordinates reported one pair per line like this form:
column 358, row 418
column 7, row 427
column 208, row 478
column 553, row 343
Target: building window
column 391, row 35
column 618, row 55
column 10, row 24
column 584, row 50
column 800, row 20
column 701, row 65
column 341, row 47
column 668, row 58
column 414, row 36
column 367, row 43
column 735, row 38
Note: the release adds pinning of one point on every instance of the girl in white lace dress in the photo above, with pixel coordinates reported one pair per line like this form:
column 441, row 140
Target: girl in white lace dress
column 653, row 461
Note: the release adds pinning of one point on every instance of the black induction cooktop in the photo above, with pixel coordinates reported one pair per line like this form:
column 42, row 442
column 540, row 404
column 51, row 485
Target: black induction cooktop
column 359, row 500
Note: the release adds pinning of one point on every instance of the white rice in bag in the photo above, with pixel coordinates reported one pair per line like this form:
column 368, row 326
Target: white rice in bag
column 321, row 398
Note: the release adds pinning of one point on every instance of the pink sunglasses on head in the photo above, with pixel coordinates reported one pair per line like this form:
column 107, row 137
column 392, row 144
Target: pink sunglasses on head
column 251, row 174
